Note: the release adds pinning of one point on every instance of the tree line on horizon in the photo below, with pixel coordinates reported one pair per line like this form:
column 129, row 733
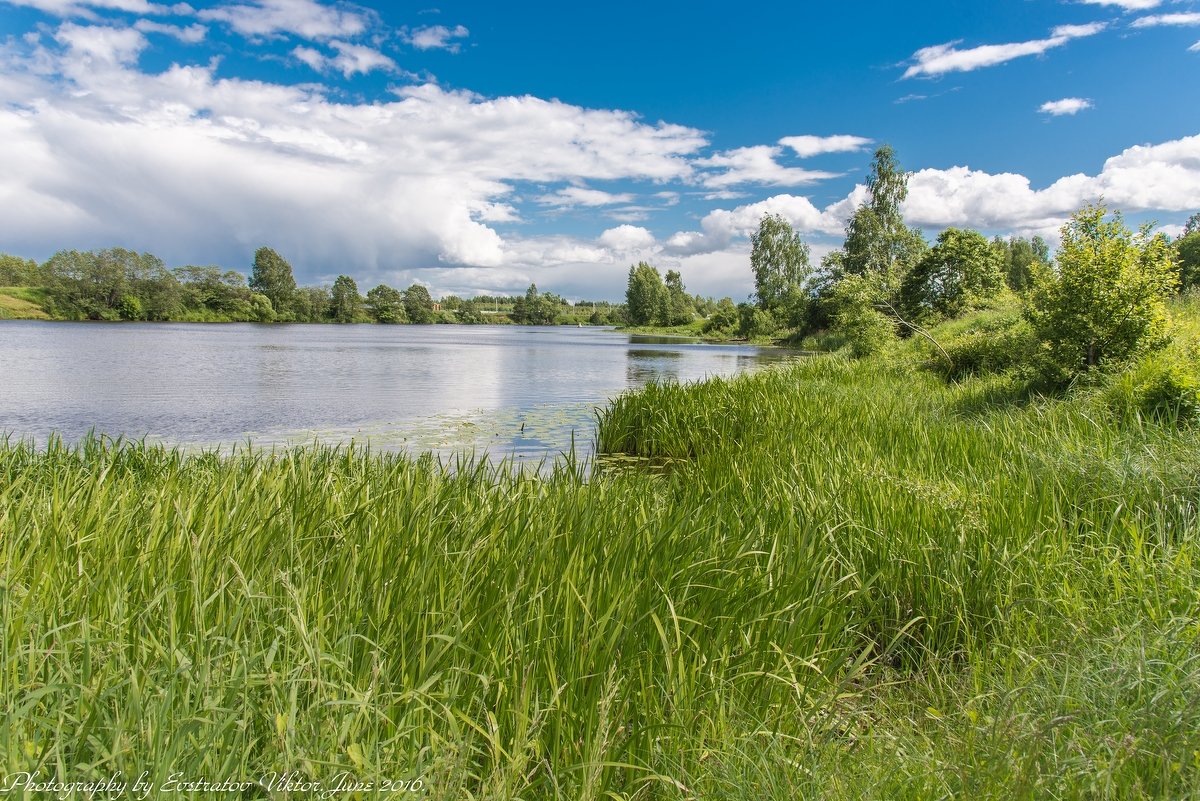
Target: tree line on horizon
column 120, row 284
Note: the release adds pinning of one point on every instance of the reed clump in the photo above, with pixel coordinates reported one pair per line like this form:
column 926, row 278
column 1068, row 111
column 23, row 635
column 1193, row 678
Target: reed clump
column 845, row 586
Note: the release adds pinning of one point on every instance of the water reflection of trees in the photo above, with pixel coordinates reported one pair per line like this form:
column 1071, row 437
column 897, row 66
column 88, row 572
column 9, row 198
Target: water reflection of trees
column 646, row 365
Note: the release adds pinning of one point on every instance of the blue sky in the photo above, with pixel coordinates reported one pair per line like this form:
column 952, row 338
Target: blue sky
column 476, row 147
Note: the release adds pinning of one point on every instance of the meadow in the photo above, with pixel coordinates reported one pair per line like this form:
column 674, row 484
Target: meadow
column 828, row 579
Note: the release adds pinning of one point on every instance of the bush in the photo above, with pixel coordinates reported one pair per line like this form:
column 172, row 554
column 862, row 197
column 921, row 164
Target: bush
column 1106, row 301
column 995, row 346
column 1164, row 386
column 754, row 323
column 868, row 331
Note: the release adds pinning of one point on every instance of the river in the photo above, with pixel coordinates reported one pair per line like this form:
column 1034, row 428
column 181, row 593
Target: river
column 519, row 391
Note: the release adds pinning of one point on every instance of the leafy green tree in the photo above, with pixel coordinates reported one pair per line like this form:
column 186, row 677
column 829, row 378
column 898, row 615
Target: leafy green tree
column 1192, row 226
column 959, row 272
column 272, row 276
column 85, row 286
column 15, row 271
column 312, row 304
column 704, row 306
column 156, row 288
column 645, row 295
column 469, row 313
column 1187, row 250
column 113, row 284
column 855, row 303
column 1024, row 260
column 723, row 317
column 680, row 307
column 536, row 308
column 386, row 305
column 210, row 292
column 1106, row 301
column 877, row 240
column 260, row 308
column 779, row 259
column 130, row 308
column 346, row 303
column 755, row 322
column 418, row 305
column 520, row 311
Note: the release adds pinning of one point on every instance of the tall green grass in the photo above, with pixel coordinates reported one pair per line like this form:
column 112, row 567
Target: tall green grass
column 850, row 583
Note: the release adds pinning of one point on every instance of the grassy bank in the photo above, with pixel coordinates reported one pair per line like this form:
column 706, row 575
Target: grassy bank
column 22, row 303
column 852, row 580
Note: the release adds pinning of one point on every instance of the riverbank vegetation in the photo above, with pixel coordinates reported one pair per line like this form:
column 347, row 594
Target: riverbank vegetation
column 119, row 284
column 846, row 579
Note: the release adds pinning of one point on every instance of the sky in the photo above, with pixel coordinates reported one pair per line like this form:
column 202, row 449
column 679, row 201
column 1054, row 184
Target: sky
column 478, row 147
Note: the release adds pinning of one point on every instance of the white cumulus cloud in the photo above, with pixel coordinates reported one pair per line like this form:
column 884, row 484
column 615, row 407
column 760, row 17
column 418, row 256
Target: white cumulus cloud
column 436, row 37
column 304, row 18
column 1182, row 19
column 1162, row 177
column 85, row 8
column 350, row 59
column 190, row 34
column 1127, row 5
column 755, row 165
column 807, row 146
column 944, row 58
column 570, row 196
column 203, row 169
column 1066, row 106
column 626, row 238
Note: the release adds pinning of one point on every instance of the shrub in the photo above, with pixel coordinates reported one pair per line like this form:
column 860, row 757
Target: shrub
column 1106, row 301
column 754, row 323
column 868, row 331
column 993, row 347
column 1164, row 386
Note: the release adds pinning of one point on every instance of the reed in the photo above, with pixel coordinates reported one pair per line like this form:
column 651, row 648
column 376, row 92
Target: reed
column 852, row 581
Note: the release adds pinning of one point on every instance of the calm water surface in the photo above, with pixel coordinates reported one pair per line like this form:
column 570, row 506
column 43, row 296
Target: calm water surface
column 509, row 390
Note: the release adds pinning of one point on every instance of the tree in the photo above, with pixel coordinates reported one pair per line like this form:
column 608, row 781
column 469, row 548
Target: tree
column 418, row 304
column 645, row 295
column 754, row 322
column 723, row 317
column 680, row 307
column 260, row 308
column 272, row 276
column 1187, row 250
column 1192, row 226
column 961, row 270
column 855, row 302
column 15, row 271
column 113, row 284
column 386, row 305
column 312, row 304
column 779, row 259
column 208, row 290
column 346, row 304
column 154, row 286
column 469, row 313
column 1023, row 260
column 877, row 240
column 1106, row 301
column 535, row 308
